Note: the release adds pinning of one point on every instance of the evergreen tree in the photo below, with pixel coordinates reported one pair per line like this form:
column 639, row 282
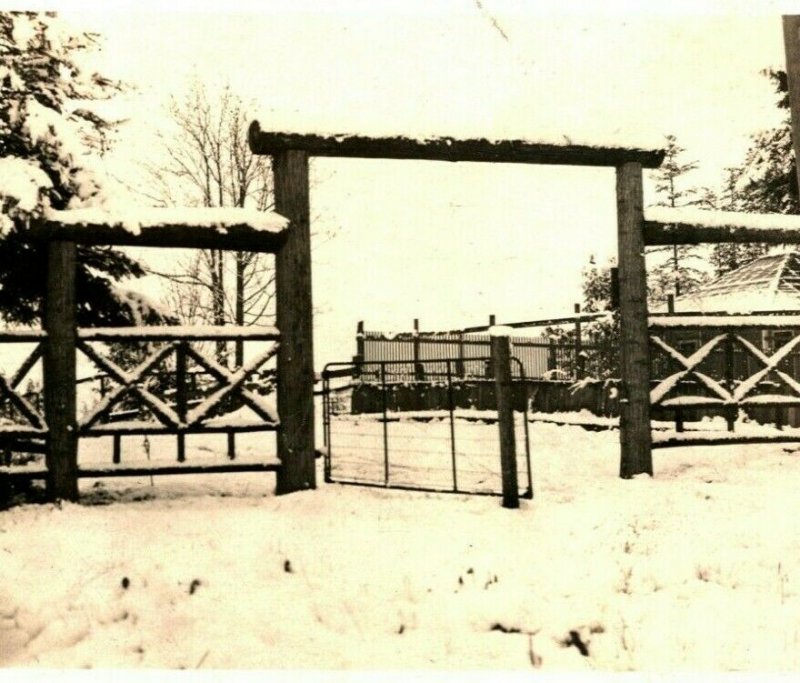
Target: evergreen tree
column 51, row 142
column 727, row 257
column 767, row 181
column 600, row 337
column 679, row 267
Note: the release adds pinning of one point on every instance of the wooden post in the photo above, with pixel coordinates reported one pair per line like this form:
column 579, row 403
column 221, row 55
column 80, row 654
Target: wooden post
column 59, row 372
column 460, row 371
column 501, row 357
column 181, row 402
column 578, row 345
column 491, row 320
column 360, row 340
column 419, row 371
column 551, row 354
column 670, row 303
column 791, row 44
column 295, row 367
column 732, row 412
column 614, row 288
column 359, row 357
column 634, row 422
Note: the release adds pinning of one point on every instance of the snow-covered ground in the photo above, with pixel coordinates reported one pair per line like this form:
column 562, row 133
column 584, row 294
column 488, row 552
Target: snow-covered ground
column 696, row 569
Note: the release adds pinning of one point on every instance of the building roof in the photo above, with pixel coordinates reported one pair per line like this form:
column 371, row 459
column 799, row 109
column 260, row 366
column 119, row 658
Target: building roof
column 769, row 283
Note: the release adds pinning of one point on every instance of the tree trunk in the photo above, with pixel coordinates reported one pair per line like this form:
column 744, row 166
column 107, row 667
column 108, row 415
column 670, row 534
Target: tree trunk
column 218, row 296
column 240, row 265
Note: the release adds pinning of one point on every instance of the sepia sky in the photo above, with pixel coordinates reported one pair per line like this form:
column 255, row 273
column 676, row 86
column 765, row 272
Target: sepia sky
column 452, row 243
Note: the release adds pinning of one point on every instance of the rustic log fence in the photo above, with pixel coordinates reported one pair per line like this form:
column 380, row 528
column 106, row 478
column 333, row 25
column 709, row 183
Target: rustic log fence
column 59, row 426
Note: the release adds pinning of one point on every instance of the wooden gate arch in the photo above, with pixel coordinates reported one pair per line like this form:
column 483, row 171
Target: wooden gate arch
column 291, row 151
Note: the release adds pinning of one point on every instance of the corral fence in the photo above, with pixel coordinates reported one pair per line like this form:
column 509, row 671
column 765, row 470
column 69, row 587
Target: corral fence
column 542, row 356
column 446, row 448
column 152, row 390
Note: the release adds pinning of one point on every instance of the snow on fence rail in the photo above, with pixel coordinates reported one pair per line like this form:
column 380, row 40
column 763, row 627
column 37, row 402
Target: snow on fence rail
column 721, row 385
column 60, row 339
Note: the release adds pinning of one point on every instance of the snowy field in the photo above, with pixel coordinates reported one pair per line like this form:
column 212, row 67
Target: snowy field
column 697, row 569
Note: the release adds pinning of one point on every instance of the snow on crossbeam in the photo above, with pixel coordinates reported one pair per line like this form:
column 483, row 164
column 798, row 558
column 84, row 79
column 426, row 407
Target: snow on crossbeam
column 665, row 225
column 728, row 322
column 549, row 148
column 180, row 332
column 217, row 228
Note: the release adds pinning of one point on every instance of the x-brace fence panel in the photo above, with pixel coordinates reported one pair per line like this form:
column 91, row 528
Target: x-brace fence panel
column 175, row 417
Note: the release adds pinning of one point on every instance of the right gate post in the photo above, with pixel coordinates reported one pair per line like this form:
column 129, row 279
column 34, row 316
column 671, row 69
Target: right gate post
column 634, row 421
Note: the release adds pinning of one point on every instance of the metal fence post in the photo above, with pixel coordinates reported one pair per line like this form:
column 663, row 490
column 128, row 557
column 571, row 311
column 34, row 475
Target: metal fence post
column 452, row 425
column 385, row 427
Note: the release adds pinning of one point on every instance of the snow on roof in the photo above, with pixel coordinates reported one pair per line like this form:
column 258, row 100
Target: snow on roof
column 769, row 283
column 133, row 220
column 721, row 219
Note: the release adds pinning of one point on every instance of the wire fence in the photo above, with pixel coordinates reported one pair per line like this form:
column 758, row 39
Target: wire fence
column 448, row 449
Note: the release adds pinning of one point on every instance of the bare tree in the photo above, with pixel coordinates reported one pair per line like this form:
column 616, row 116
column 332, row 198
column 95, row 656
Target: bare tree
column 208, row 162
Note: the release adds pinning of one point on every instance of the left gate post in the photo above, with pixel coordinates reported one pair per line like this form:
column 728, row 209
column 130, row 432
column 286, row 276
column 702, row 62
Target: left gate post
column 59, row 371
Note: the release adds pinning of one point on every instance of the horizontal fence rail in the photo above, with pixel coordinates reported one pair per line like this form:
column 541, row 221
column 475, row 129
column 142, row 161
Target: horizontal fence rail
column 152, row 381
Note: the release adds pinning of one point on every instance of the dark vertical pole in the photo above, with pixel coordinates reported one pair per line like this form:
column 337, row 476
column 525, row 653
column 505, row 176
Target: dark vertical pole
column 614, row 288
column 326, row 426
column 791, row 44
column 359, row 357
column 578, row 345
column 731, row 412
column 385, row 427
column 551, row 354
column 59, row 372
column 419, row 372
column 501, row 355
column 294, row 312
column 452, row 425
column 116, row 456
column 360, row 341
column 180, row 396
column 670, row 303
column 529, row 492
column 491, row 320
column 460, row 371
column 634, row 423
column 231, row 445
